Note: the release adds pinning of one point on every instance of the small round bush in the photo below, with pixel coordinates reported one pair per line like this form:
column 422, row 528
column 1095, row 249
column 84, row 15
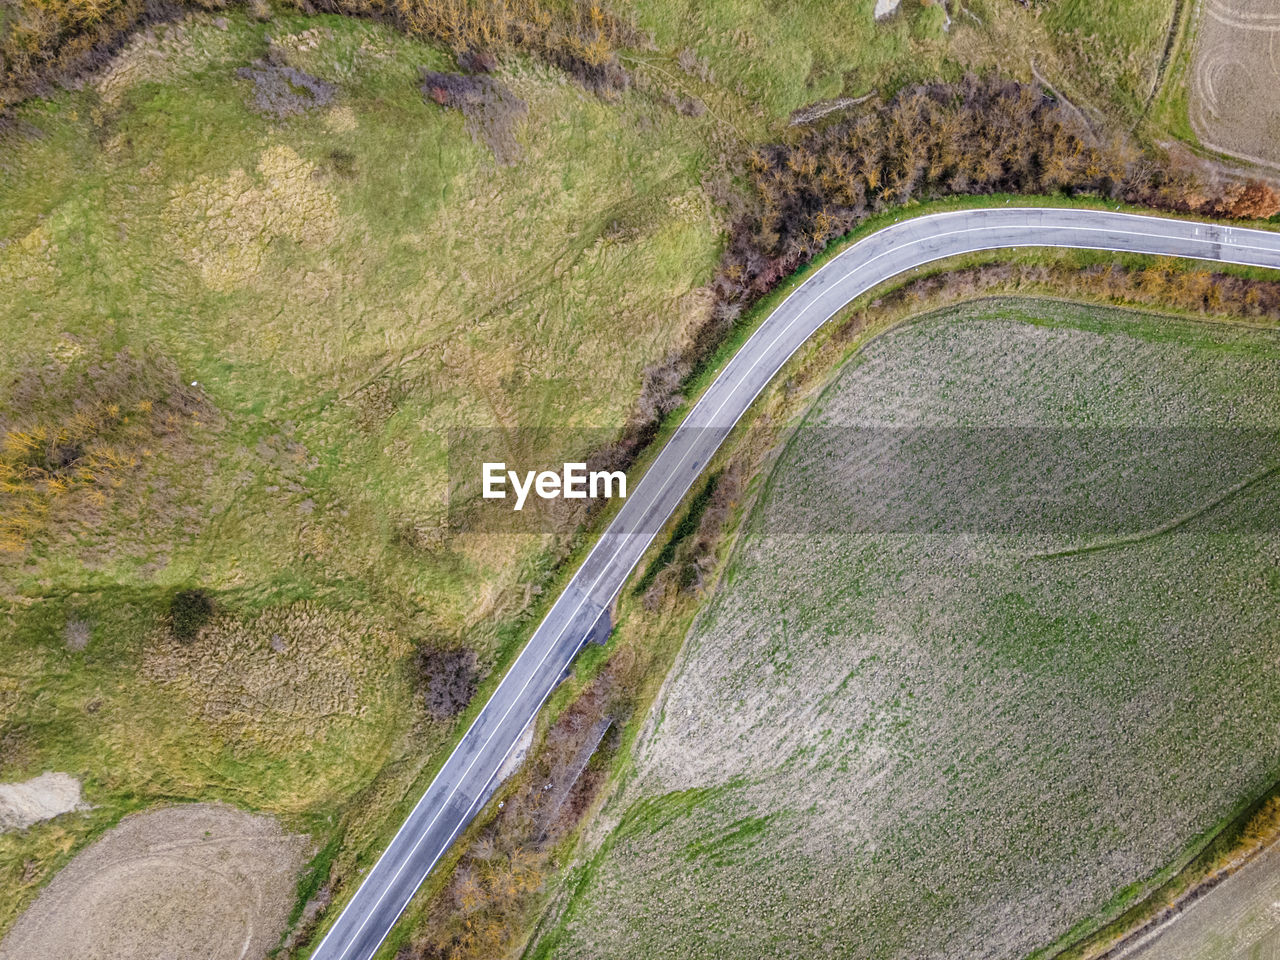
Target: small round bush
column 189, row 610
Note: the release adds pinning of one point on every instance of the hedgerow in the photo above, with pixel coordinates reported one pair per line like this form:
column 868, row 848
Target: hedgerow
column 43, row 42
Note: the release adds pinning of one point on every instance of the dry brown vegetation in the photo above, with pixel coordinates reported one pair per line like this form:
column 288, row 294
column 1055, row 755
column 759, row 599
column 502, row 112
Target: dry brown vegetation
column 1264, row 827
column 688, row 561
column 45, row 41
column 1162, row 284
column 225, row 225
column 71, row 440
column 281, row 679
column 982, row 135
column 495, row 886
column 979, row 136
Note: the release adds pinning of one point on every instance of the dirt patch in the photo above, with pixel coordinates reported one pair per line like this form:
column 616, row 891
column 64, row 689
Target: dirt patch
column 1235, row 84
column 41, row 798
column 204, row 880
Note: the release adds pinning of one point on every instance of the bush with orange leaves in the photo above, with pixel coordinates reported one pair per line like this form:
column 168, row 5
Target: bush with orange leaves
column 1247, row 200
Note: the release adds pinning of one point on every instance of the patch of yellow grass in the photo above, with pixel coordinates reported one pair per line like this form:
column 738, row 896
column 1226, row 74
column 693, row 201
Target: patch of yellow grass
column 100, row 444
column 225, row 224
column 341, row 120
column 1264, row 829
column 281, row 680
column 29, row 260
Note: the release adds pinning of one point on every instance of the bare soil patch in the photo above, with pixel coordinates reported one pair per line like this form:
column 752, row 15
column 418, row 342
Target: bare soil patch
column 1235, row 83
column 40, row 798
column 202, row 881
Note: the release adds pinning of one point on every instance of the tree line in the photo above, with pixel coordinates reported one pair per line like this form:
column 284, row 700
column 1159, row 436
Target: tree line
column 982, row 135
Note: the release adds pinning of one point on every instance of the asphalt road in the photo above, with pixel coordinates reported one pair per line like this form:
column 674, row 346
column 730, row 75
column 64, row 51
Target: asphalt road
column 466, row 779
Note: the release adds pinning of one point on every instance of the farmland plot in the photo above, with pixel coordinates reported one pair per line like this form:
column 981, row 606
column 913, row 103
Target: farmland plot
column 1235, row 99
column 999, row 641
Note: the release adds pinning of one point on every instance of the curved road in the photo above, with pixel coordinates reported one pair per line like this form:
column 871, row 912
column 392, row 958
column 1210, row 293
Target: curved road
column 466, row 779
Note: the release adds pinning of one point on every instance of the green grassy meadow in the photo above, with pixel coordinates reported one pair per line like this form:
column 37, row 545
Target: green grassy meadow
column 266, row 329
column 781, row 56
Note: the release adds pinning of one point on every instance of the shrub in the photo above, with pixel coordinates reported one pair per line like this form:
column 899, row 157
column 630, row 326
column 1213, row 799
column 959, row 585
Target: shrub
column 982, row 135
column 189, row 610
column 1253, row 200
column 491, row 110
column 281, row 91
column 343, row 163
column 448, row 679
column 477, row 61
column 500, row 877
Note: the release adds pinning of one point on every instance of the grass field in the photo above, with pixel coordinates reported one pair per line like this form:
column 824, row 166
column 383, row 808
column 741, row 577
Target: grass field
column 784, row 55
column 259, row 333
column 1118, row 45
column 925, row 729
